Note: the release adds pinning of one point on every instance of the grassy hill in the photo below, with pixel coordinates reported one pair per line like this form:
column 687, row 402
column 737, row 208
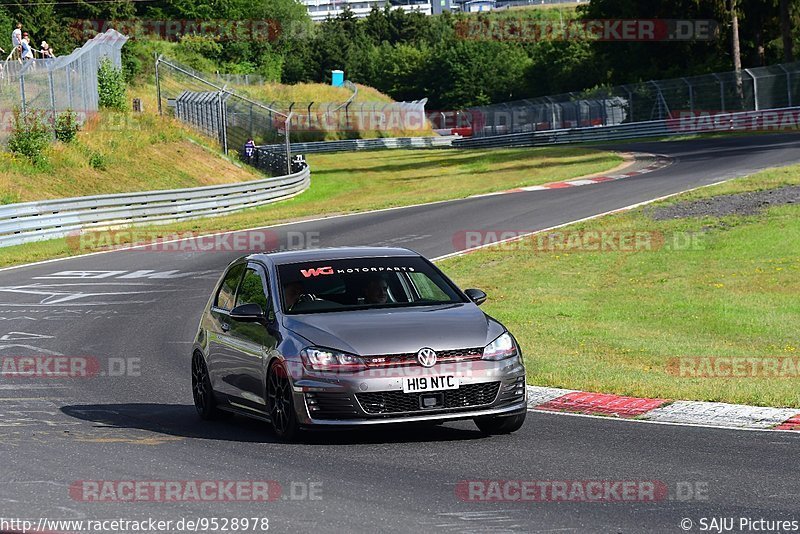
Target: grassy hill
column 311, row 92
column 119, row 153
column 122, row 152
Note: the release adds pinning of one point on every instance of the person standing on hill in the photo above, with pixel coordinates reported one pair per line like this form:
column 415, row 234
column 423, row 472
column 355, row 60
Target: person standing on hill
column 250, row 150
column 26, row 50
column 46, row 50
column 16, row 37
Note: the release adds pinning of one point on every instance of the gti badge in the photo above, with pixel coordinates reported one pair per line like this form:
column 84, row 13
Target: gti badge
column 426, row 357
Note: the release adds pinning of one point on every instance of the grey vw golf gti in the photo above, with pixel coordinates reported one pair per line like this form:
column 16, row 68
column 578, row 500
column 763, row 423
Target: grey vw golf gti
column 353, row 336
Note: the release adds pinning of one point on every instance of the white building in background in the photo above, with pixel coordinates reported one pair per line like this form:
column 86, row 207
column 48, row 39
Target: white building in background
column 475, row 6
column 319, row 10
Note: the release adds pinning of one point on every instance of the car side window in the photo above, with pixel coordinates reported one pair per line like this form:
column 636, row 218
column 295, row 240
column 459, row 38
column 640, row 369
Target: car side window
column 252, row 290
column 426, row 288
column 227, row 290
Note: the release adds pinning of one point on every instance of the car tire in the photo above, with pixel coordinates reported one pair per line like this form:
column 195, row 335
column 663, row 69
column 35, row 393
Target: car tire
column 204, row 400
column 280, row 404
column 500, row 424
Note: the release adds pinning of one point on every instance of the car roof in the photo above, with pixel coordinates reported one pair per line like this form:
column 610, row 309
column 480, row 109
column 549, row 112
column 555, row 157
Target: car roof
column 334, row 253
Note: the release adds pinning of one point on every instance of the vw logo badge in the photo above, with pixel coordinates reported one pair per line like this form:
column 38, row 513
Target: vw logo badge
column 426, row 357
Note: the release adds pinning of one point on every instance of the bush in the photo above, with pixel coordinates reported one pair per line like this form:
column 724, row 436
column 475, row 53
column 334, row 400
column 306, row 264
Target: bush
column 97, row 161
column 132, row 66
column 30, row 136
column 66, row 126
column 111, row 86
column 205, row 46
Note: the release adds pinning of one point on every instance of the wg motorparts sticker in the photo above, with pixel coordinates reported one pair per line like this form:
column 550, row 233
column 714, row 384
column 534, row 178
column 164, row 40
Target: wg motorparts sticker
column 329, row 270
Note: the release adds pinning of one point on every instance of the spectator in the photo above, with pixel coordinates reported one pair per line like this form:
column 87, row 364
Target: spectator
column 249, row 150
column 16, row 36
column 46, row 51
column 26, row 51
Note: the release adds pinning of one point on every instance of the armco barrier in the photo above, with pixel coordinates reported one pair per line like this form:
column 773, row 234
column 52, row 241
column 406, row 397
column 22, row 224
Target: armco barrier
column 48, row 219
column 773, row 119
column 348, row 145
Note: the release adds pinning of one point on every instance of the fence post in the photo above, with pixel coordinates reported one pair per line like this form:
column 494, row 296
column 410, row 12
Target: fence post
column 755, row 89
column 721, row 91
column 251, row 130
column 630, row 103
column 788, row 85
column 69, row 87
column 52, row 92
column 223, row 131
column 552, row 112
column 691, row 94
column 84, row 92
column 22, row 89
column 288, row 143
column 158, row 83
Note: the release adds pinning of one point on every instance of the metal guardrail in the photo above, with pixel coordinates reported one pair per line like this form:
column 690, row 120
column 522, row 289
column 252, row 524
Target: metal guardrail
column 687, row 125
column 49, row 219
column 36, row 221
column 347, row 145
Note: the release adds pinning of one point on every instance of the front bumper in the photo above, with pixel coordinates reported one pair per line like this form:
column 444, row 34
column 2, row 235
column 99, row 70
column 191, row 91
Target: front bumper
column 444, row 416
column 370, row 398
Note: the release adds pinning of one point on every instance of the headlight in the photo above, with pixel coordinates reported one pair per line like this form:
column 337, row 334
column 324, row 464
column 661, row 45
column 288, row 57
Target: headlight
column 501, row 348
column 319, row 359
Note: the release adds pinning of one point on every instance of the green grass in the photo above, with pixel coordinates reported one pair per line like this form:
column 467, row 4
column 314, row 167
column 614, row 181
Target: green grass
column 118, row 153
column 310, row 92
column 612, row 321
column 360, row 181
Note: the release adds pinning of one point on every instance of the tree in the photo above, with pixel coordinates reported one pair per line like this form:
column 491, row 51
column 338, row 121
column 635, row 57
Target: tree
column 735, row 49
column 459, row 76
column 401, row 70
column 786, row 31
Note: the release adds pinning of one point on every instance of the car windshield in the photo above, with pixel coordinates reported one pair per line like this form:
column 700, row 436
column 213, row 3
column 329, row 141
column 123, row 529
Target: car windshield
column 361, row 283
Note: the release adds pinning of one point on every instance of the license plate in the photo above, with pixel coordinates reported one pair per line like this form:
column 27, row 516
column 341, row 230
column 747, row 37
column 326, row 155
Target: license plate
column 429, row 383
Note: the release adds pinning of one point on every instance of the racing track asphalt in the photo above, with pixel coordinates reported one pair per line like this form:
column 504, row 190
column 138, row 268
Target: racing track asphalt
column 55, row 432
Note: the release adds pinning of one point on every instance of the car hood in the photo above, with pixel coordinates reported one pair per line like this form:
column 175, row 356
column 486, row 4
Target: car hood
column 397, row 330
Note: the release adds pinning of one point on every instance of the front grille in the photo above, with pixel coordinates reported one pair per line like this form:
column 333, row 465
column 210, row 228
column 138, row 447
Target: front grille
column 467, row 396
column 331, row 405
column 410, row 358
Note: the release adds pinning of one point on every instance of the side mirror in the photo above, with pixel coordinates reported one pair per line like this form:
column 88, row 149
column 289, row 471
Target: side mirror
column 476, row 295
column 248, row 313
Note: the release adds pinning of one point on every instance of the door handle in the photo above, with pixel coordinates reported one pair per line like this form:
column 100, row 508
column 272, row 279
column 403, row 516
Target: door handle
column 225, row 327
